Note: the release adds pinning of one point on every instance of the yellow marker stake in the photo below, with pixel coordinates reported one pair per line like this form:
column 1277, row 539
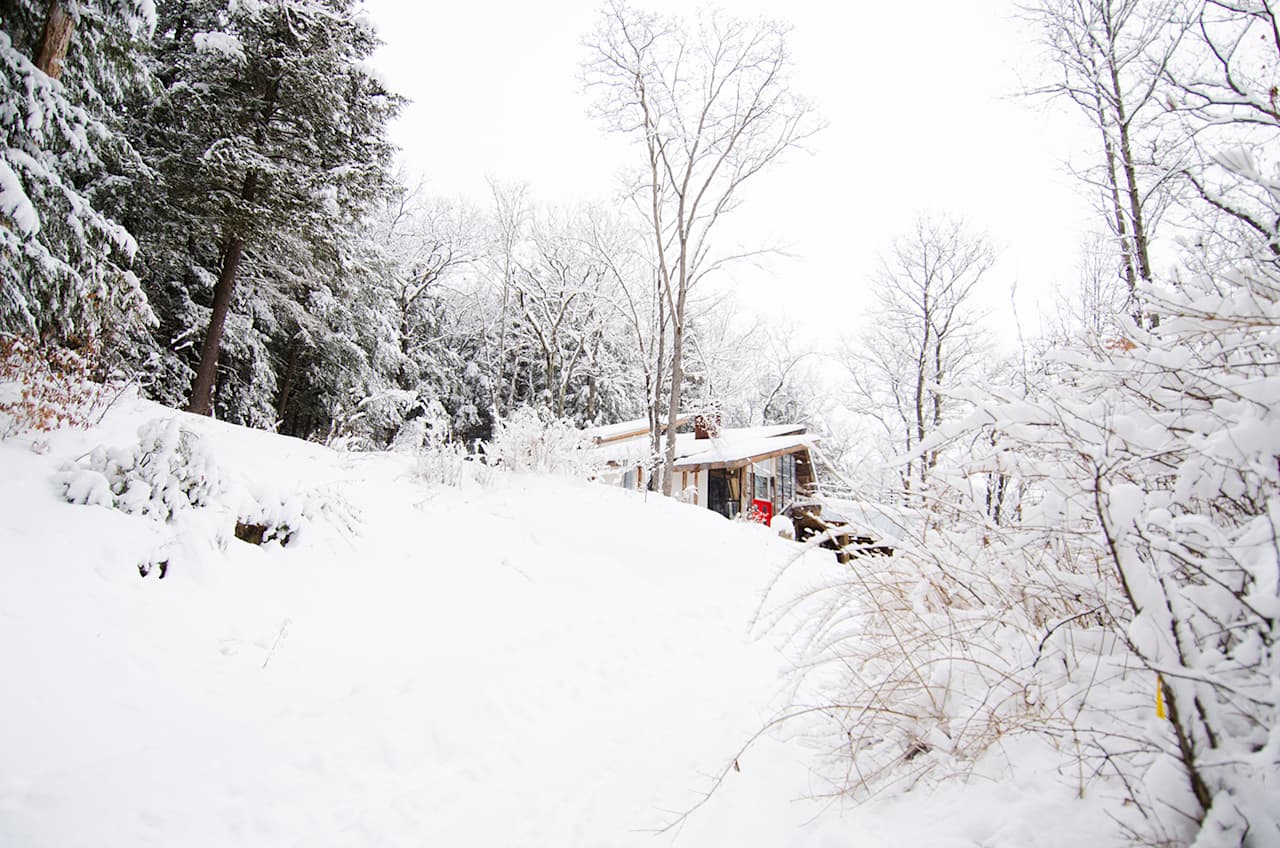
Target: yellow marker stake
column 1159, row 697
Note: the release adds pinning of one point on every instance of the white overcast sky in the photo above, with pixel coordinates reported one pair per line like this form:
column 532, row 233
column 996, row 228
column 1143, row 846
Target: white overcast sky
column 923, row 113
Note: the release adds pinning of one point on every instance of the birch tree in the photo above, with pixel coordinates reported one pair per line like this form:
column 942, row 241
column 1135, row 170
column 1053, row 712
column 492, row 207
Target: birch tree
column 922, row 339
column 711, row 106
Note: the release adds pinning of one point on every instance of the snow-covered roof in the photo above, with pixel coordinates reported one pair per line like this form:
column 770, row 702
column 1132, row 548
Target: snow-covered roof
column 626, row 429
column 734, row 446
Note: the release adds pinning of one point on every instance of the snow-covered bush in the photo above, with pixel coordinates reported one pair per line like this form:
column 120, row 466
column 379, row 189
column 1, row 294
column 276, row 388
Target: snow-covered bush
column 167, row 471
column 170, row 475
column 531, row 441
column 441, row 460
column 1125, row 601
column 1102, row 560
column 915, row 666
column 266, row 515
column 367, row 423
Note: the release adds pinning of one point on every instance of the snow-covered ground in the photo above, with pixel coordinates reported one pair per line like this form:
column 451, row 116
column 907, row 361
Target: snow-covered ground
column 515, row 661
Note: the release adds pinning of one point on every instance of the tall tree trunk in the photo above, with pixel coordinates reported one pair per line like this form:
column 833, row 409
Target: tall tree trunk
column 290, row 378
column 922, row 364
column 55, row 40
column 656, row 394
column 677, row 379
column 1139, row 253
column 1127, row 269
column 673, row 410
column 1129, row 167
column 677, row 337
column 201, row 402
column 935, row 396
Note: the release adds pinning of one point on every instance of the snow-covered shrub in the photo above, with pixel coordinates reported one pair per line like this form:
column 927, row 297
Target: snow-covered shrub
column 440, row 459
column 266, row 515
column 531, row 441
column 1123, row 600
column 922, row 661
column 168, row 471
column 783, row 526
column 366, row 423
column 442, row 462
column 44, row 387
column 1169, row 444
column 410, row 437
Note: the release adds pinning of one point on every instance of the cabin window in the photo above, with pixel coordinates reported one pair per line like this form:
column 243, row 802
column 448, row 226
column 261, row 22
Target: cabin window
column 760, row 489
column 724, row 491
column 786, row 480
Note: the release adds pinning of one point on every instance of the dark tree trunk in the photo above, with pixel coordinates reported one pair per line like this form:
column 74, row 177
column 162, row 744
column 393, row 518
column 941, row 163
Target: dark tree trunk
column 201, row 402
column 290, row 376
column 55, row 40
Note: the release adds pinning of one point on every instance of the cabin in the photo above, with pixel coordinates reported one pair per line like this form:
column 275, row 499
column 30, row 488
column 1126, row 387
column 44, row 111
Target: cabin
column 756, row 472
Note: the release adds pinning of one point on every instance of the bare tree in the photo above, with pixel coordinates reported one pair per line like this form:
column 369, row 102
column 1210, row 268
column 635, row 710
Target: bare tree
column 758, row 373
column 1226, row 93
column 563, row 314
column 510, row 220
column 922, row 338
column 560, row 311
column 1099, row 298
column 712, row 107
column 636, row 296
column 427, row 239
column 1110, row 56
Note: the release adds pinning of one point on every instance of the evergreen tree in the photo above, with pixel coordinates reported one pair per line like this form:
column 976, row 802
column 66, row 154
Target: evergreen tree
column 266, row 140
column 65, row 264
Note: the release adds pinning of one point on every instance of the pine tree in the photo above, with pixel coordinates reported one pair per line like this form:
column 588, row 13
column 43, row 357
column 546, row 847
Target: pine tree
column 266, row 139
column 65, row 264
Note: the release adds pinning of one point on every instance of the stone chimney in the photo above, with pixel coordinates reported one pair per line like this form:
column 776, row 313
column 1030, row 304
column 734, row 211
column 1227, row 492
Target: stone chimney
column 706, row 425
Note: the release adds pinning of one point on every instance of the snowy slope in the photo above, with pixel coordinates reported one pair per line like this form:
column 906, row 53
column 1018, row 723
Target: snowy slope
column 520, row 661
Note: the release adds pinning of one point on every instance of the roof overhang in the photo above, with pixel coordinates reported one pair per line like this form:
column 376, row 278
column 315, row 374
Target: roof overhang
column 631, row 429
column 691, row 463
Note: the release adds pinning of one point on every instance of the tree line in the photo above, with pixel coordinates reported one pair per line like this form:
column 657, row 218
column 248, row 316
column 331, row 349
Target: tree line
column 203, row 195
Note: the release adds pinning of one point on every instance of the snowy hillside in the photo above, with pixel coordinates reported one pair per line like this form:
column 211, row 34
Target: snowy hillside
column 516, row 661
